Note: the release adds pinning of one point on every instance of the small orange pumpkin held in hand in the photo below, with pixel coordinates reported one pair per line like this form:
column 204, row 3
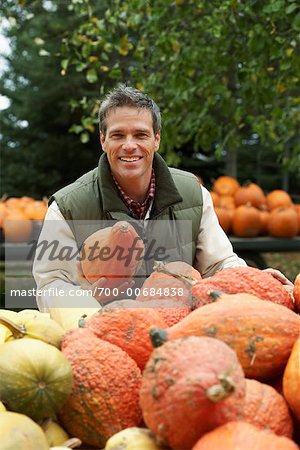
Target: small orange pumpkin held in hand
column 113, row 259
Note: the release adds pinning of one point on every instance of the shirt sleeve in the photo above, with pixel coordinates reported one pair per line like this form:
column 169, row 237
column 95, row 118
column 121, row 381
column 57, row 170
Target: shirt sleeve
column 214, row 251
column 54, row 271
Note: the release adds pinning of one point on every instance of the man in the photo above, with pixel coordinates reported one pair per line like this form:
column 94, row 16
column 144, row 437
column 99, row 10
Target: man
column 132, row 182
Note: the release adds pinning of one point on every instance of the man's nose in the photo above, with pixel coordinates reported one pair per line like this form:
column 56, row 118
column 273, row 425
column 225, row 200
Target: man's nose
column 129, row 143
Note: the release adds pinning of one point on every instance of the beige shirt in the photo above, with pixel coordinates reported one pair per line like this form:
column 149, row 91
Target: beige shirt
column 58, row 279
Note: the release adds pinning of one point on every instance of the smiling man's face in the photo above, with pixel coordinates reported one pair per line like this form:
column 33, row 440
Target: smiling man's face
column 130, row 143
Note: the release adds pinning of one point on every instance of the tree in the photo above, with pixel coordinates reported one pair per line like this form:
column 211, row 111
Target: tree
column 38, row 152
column 224, row 72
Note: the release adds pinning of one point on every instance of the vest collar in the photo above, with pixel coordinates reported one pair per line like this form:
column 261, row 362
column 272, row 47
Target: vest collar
column 166, row 193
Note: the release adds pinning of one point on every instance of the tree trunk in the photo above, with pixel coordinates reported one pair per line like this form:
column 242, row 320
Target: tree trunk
column 285, row 176
column 231, row 163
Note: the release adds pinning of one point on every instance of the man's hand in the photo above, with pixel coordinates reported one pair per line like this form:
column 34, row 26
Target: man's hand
column 102, row 292
column 287, row 284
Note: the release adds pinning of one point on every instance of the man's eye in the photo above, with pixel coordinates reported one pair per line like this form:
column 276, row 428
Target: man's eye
column 116, row 136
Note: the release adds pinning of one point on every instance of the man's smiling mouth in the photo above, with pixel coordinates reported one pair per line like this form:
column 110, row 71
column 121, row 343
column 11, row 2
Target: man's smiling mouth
column 130, row 158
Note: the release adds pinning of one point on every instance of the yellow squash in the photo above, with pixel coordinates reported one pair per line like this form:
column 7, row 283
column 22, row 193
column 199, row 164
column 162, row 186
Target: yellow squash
column 132, row 439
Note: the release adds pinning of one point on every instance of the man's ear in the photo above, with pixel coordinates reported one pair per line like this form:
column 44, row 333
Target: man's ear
column 102, row 141
column 157, row 141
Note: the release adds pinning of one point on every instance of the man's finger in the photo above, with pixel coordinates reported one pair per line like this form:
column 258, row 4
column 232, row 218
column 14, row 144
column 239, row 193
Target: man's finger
column 279, row 276
column 100, row 282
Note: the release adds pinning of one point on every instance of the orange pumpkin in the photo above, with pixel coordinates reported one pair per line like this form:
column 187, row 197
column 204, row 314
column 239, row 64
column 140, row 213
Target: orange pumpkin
column 261, row 333
column 296, row 293
column 243, row 436
column 214, row 197
column 226, row 201
column 113, row 258
column 176, row 269
column 128, row 329
column 105, row 394
column 173, row 315
column 172, row 294
column 283, row 222
column 189, row 387
column 260, row 403
column 297, row 209
column 171, row 281
column 226, row 185
column 16, row 227
column 3, row 212
column 171, row 311
column 224, row 218
column 246, row 221
column 250, row 193
column 264, row 216
column 278, row 198
column 13, row 203
column 36, row 210
column 291, row 380
column 238, row 280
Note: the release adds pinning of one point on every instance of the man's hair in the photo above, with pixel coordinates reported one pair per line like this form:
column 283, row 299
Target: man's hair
column 124, row 95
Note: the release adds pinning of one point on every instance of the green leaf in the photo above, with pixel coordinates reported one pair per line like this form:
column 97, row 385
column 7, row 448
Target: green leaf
column 81, row 66
column 296, row 23
column 84, row 137
column 39, row 41
column 76, row 129
column 92, row 76
column 43, row 52
column 64, row 63
column 291, row 8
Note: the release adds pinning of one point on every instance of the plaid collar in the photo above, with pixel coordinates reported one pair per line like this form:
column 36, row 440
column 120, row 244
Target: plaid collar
column 138, row 209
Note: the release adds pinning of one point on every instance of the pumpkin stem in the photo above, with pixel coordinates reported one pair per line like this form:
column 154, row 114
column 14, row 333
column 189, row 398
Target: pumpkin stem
column 18, row 331
column 214, row 295
column 159, row 266
column 82, row 321
column 72, row 443
column 121, row 226
column 221, row 391
column 158, row 336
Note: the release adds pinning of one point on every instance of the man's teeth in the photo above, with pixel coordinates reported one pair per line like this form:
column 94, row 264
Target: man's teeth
column 130, row 159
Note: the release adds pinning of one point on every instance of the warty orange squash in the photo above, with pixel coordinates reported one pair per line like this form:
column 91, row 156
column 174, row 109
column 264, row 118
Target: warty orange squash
column 265, row 408
column 262, row 333
column 106, row 384
column 247, row 280
column 291, row 380
column 189, row 387
column 239, row 435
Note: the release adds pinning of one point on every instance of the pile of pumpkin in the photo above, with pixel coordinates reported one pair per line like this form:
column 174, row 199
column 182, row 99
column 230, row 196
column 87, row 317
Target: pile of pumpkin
column 216, row 366
column 19, row 215
column 245, row 211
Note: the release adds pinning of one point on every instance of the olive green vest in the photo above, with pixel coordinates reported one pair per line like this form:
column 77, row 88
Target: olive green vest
column 178, row 197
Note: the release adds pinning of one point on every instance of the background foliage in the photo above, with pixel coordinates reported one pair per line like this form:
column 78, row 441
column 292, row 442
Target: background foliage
column 225, row 74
